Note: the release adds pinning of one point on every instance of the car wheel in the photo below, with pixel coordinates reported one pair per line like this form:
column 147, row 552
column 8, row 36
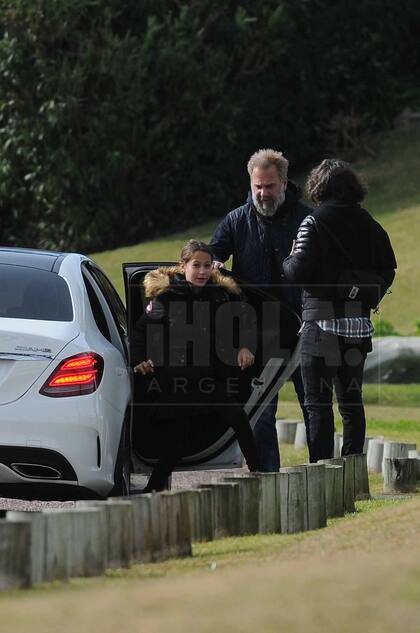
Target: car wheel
column 122, row 470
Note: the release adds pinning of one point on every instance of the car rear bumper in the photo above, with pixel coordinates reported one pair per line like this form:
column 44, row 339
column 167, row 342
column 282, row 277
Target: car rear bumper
column 19, row 463
column 65, row 447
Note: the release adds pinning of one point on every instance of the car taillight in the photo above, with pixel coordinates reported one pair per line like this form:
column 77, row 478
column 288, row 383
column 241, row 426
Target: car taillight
column 75, row 376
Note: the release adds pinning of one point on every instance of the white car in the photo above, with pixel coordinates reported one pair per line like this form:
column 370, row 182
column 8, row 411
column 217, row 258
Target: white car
column 72, row 421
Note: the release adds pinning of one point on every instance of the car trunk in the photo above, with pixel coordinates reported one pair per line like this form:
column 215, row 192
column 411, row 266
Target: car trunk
column 27, row 348
column 210, row 441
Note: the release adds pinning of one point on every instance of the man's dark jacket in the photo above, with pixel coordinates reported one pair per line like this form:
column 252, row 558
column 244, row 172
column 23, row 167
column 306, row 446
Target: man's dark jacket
column 259, row 244
column 326, row 240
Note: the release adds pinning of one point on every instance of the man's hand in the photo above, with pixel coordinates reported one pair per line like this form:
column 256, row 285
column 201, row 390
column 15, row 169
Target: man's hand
column 218, row 264
column 245, row 358
column 292, row 252
column 145, row 367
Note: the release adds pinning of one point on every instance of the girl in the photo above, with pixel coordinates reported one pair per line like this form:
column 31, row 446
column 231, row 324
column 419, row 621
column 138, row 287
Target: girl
column 182, row 343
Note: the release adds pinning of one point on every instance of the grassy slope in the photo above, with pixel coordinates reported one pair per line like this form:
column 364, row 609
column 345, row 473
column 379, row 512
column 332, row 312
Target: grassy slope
column 359, row 574
column 393, row 178
column 394, row 197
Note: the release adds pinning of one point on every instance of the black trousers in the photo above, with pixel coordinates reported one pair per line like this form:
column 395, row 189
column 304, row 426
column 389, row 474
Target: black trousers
column 331, row 362
column 175, row 433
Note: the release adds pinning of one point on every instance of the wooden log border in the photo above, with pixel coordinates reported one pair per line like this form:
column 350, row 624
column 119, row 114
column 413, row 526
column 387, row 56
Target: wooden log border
column 57, row 544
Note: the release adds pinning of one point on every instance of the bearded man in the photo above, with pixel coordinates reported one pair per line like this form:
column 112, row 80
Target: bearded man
column 259, row 235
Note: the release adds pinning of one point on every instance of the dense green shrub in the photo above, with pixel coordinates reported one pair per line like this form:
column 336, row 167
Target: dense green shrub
column 121, row 119
column 385, row 328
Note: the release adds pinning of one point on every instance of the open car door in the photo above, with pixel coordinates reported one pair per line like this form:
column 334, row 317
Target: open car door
column 212, row 444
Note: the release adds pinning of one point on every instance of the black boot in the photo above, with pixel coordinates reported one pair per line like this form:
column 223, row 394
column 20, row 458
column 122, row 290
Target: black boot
column 159, row 479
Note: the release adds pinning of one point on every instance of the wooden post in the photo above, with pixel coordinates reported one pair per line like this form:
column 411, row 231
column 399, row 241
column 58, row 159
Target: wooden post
column 334, row 490
column 250, row 503
column 225, row 508
column 349, row 483
column 375, row 455
column 301, row 440
column 81, row 543
column 317, row 509
column 36, row 522
column 51, row 543
column 143, row 541
column 159, row 546
column 366, row 444
column 270, row 504
column 338, row 443
column 361, row 478
column 314, row 490
column 400, row 474
column 293, row 501
column 161, row 526
column 175, row 525
column 348, row 479
column 200, row 504
column 15, row 555
column 286, row 431
column 413, row 453
column 416, row 455
column 191, row 505
column 396, row 449
column 119, row 529
column 300, row 469
column 206, row 515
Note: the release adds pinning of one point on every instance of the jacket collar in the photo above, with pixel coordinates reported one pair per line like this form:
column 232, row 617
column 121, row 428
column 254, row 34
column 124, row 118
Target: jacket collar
column 171, row 278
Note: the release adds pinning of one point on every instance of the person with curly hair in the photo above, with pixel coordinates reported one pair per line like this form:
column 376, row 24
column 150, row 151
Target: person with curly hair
column 344, row 261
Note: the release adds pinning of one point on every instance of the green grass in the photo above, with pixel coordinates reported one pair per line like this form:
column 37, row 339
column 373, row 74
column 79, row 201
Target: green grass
column 393, row 172
column 158, row 250
column 393, row 179
column 392, row 411
column 384, row 394
column 359, row 573
column 233, row 551
column 392, row 176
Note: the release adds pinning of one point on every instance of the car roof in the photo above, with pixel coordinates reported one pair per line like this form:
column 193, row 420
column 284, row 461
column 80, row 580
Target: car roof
column 43, row 260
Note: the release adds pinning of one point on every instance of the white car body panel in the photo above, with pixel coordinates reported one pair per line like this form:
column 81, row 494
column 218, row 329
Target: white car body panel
column 71, row 425
column 83, row 430
column 27, row 348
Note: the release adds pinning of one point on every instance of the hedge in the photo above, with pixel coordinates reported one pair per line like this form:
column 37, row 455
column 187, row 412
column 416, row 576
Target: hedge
column 125, row 119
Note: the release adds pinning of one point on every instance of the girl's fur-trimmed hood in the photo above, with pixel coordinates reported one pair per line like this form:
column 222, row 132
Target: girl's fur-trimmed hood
column 158, row 281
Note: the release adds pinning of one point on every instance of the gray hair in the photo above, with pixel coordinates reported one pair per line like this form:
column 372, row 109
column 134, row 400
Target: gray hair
column 264, row 158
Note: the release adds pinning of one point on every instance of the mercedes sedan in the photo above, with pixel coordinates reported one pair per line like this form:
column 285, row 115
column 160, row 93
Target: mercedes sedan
column 74, row 420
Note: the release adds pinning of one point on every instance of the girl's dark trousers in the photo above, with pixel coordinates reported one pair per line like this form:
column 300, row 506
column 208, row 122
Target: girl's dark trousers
column 175, row 424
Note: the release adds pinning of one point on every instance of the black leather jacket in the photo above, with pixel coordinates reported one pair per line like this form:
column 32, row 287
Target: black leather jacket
column 318, row 258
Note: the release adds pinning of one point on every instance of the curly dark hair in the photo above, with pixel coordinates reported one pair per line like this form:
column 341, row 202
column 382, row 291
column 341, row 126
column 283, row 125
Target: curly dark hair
column 335, row 180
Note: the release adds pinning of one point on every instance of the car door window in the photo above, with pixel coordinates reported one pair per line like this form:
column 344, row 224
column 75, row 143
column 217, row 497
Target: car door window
column 112, row 307
column 111, row 296
column 97, row 311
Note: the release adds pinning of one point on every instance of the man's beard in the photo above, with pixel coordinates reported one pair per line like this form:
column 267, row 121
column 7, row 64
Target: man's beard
column 269, row 209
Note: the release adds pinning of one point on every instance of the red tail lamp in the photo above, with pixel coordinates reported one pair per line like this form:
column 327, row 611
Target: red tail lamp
column 75, row 376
